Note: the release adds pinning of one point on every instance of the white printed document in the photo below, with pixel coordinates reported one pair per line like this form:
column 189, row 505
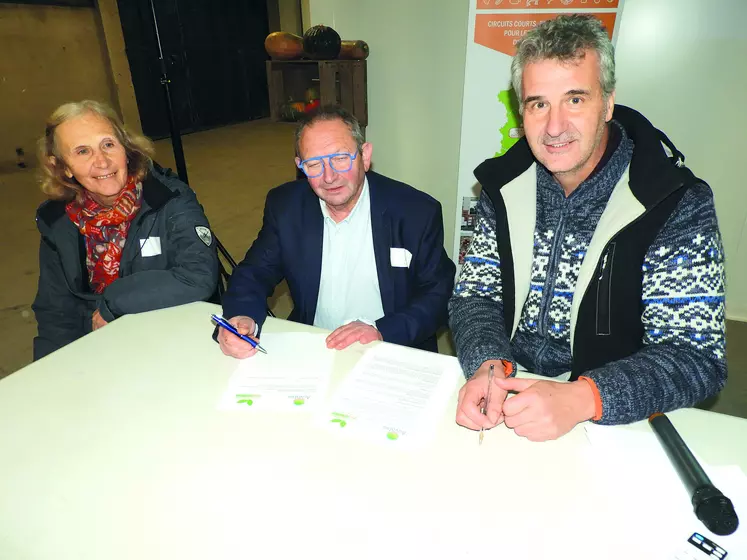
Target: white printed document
column 293, row 375
column 394, row 395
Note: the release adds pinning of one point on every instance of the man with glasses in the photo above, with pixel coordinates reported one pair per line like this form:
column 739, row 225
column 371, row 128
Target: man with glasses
column 362, row 254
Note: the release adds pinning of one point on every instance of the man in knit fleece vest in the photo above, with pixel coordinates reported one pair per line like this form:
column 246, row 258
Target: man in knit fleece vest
column 596, row 258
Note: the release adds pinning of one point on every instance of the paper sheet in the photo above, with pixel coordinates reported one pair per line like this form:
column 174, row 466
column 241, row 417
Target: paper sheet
column 643, row 488
column 293, row 375
column 393, row 395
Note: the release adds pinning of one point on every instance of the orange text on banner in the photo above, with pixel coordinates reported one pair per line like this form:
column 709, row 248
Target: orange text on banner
column 501, row 32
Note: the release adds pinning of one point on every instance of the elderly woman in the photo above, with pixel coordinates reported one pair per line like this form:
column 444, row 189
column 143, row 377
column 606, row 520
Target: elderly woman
column 117, row 236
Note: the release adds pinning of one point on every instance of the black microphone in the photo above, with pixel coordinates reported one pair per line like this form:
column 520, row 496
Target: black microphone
column 713, row 508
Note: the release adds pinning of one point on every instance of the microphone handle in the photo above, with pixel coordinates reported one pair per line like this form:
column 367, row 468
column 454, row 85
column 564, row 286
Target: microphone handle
column 689, row 470
column 715, row 510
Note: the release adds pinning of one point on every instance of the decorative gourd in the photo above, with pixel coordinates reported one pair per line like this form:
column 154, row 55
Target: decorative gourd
column 321, row 42
column 284, row 46
column 353, row 50
column 292, row 110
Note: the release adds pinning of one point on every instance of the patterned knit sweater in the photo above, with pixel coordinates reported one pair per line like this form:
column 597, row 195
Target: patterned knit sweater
column 682, row 361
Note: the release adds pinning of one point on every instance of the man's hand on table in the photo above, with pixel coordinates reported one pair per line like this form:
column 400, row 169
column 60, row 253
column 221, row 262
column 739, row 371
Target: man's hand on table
column 357, row 331
column 544, row 410
column 232, row 345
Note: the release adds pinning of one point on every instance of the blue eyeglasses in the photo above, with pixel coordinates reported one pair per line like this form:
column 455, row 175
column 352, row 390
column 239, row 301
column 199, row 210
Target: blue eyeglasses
column 341, row 162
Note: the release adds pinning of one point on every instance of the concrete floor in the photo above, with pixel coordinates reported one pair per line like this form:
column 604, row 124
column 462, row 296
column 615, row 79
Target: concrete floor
column 231, row 169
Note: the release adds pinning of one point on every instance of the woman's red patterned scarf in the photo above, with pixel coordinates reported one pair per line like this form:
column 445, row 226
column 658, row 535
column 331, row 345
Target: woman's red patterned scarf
column 105, row 230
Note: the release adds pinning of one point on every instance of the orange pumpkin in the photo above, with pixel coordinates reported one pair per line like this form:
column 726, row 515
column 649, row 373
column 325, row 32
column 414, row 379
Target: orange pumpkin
column 355, row 50
column 284, row 46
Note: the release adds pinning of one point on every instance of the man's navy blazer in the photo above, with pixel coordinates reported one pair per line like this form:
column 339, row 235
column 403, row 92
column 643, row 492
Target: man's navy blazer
column 289, row 246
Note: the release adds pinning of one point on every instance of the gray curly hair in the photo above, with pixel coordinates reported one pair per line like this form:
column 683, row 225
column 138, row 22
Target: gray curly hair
column 565, row 38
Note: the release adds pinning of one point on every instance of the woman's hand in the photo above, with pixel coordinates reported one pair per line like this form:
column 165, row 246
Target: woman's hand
column 97, row 321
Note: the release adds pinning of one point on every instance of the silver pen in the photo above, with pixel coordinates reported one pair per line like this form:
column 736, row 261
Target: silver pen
column 486, row 401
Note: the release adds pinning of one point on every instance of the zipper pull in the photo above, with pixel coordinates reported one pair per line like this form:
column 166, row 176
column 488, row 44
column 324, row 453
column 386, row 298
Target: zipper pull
column 604, row 265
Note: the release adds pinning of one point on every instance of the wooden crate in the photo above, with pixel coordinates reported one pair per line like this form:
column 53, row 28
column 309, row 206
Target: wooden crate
column 340, row 82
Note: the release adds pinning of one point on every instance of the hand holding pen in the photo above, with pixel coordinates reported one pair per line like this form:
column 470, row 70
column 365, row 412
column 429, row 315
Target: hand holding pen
column 235, row 336
column 486, row 403
column 472, row 398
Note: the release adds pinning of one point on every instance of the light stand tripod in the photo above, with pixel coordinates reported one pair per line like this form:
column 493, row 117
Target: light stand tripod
column 176, row 138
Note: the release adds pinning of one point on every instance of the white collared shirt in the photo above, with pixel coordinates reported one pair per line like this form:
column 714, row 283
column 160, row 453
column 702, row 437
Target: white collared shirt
column 349, row 284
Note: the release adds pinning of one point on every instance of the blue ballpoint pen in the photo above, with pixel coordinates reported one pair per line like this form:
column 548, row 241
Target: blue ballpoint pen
column 229, row 327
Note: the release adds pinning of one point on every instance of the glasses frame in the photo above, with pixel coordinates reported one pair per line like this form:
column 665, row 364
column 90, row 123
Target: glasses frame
column 328, row 157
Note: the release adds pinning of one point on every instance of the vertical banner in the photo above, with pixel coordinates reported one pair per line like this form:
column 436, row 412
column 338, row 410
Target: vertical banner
column 491, row 123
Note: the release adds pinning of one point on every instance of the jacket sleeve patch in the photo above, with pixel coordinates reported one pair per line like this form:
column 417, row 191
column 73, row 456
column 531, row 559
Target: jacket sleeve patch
column 204, row 234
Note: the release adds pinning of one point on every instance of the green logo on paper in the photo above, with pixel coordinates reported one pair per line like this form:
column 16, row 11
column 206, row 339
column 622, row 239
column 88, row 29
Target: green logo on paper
column 246, row 399
column 299, row 402
column 392, row 436
column 340, row 419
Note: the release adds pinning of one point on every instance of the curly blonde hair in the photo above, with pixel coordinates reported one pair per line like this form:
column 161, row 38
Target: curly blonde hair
column 54, row 183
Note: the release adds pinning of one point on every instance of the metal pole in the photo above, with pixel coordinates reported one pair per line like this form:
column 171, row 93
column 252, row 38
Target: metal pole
column 176, row 137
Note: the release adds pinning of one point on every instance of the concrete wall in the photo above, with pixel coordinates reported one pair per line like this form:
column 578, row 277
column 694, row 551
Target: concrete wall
column 119, row 66
column 273, row 15
column 290, row 16
column 681, row 62
column 284, row 15
column 305, row 14
column 50, row 55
